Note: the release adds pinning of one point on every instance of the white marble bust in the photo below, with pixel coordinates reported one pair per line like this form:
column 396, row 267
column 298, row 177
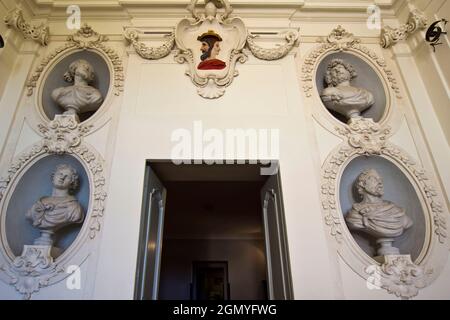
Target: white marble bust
column 80, row 97
column 49, row 214
column 379, row 218
column 340, row 95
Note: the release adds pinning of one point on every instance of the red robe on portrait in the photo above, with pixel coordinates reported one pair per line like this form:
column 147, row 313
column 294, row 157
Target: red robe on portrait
column 213, row 64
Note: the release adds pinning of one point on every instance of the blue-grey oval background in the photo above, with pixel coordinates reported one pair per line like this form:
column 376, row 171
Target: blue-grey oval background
column 398, row 189
column 367, row 79
column 33, row 185
column 55, row 79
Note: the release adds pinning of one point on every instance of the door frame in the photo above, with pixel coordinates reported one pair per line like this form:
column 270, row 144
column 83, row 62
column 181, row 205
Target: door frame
column 275, row 194
column 143, row 236
column 144, row 233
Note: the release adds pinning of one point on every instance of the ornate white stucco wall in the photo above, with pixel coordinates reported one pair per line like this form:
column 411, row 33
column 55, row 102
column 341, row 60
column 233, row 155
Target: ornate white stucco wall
column 158, row 98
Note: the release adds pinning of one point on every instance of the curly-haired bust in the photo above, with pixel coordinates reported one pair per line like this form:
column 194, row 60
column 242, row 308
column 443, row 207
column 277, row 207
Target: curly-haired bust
column 340, row 95
column 80, row 97
column 61, row 209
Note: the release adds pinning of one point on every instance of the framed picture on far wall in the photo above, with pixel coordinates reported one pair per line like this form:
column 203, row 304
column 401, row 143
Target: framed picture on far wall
column 210, row 281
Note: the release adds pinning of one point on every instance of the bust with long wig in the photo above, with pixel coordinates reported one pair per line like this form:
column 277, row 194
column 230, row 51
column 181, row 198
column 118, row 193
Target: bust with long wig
column 340, row 95
column 80, row 97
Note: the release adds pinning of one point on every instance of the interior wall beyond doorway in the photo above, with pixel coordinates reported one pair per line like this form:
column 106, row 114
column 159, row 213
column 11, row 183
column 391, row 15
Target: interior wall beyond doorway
column 246, row 266
column 213, row 221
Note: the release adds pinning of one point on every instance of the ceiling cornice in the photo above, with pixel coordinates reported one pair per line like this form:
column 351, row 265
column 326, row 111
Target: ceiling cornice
column 178, row 7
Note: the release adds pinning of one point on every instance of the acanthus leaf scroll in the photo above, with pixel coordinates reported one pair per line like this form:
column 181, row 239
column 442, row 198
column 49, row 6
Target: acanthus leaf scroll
column 62, row 134
column 398, row 275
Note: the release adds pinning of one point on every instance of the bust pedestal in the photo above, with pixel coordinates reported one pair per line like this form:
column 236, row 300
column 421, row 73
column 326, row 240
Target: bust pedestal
column 385, row 247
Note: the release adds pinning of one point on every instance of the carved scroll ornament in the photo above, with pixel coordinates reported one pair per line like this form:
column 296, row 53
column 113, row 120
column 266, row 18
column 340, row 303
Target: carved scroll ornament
column 390, row 36
column 211, row 43
column 16, row 20
column 398, row 275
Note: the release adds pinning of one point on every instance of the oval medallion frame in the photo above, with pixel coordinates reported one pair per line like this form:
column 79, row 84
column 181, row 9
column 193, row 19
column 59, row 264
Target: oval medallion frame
column 382, row 83
column 434, row 253
column 72, row 144
column 341, row 41
column 384, row 165
column 85, row 39
column 356, row 249
column 97, row 115
column 397, row 274
column 31, row 184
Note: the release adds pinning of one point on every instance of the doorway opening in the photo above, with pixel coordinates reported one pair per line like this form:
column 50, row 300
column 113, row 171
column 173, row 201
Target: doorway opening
column 212, row 232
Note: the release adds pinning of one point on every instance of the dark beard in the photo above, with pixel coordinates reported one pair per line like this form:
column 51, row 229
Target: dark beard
column 204, row 56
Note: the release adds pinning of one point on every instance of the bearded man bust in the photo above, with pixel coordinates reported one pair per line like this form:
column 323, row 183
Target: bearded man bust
column 379, row 218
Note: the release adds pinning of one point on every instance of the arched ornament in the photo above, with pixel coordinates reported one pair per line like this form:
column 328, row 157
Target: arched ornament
column 397, row 274
column 211, row 83
column 35, row 268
